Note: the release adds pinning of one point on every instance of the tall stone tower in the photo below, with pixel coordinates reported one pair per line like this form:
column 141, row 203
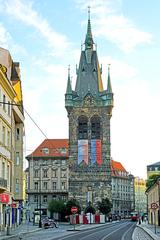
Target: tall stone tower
column 89, row 109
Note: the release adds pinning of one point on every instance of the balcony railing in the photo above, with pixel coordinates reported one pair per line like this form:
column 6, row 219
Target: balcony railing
column 3, row 183
column 36, row 191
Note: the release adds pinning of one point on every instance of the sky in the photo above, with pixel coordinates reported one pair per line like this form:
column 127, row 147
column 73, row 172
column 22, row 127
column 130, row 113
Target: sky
column 46, row 36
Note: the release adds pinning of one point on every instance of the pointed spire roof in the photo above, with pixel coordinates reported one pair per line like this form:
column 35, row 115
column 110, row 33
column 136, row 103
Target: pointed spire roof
column 109, row 86
column 89, row 39
column 69, row 87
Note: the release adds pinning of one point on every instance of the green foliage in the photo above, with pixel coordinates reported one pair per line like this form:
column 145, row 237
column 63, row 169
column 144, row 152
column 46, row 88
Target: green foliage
column 72, row 203
column 152, row 180
column 56, row 206
column 104, row 206
column 90, row 209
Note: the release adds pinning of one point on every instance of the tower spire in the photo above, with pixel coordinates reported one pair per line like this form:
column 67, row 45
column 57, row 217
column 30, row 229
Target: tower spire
column 89, row 40
column 69, row 87
column 109, row 86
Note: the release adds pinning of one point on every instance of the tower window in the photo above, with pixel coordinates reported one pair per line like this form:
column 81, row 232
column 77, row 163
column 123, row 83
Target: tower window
column 82, row 127
column 95, row 128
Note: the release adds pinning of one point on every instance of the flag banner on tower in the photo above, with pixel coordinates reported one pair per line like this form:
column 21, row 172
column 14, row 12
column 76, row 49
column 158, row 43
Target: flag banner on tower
column 96, row 151
column 93, row 151
column 83, row 151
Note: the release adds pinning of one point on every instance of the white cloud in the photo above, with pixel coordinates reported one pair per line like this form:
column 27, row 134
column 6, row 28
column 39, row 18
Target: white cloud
column 4, row 36
column 23, row 11
column 111, row 24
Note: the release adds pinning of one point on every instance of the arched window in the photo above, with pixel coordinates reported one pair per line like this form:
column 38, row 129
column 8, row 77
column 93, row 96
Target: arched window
column 82, row 127
column 95, row 127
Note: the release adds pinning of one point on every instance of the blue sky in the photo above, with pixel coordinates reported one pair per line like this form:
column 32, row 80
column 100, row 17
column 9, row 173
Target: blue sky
column 46, row 36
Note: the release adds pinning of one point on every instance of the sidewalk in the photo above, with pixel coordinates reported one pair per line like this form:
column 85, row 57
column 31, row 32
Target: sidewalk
column 20, row 230
column 150, row 229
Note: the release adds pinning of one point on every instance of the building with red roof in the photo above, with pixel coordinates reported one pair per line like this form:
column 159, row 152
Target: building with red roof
column 123, row 199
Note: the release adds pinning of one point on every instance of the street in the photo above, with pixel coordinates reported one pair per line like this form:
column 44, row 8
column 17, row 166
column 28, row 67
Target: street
column 120, row 230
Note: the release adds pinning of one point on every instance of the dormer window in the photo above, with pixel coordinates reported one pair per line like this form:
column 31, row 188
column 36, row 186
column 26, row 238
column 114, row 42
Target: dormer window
column 45, row 150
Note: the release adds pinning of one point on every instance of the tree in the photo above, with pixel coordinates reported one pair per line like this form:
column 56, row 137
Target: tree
column 56, row 206
column 152, row 180
column 104, row 206
column 72, row 203
column 90, row 209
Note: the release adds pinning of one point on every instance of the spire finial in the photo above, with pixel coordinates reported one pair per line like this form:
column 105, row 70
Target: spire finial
column 69, row 87
column 89, row 12
column 109, row 87
column 89, row 40
column 69, row 70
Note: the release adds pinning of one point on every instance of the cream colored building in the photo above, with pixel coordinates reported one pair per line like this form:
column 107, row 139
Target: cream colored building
column 47, row 175
column 153, row 197
column 11, row 140
column 140, row 196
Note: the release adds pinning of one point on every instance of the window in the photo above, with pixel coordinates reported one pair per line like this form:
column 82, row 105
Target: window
column 17, row 185
column 45, row 150
column 82, row 127
column 45, row 185
column 45, row 198
column 54, row 197
column 36, row 185
column 17, row 134
column 3, row 135
column 35, row 173
column 63, row 185
column 35, row 162
column 8, row 175
column 8, row 139
column 9, row 108
column 95, row 127
column 54, row 173
column 4, row 102
column 54, row 185
column 17, row 158
column 45, row 173
column 63, row 173
column 35, row 198
column 3, row 169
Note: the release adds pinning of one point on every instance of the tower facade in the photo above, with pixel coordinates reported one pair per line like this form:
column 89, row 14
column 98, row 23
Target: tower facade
column 89, row 109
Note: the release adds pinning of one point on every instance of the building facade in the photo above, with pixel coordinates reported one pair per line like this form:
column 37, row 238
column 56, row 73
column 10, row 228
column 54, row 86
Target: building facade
column 153, row 203
column 11, row 140
column 47, row 175
column 122, row 190
column 89, row 109
column 153, row 169
column 140, row 196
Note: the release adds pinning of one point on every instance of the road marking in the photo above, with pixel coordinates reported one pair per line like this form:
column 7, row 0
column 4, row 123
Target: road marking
column 112, row 232
column 126, row 233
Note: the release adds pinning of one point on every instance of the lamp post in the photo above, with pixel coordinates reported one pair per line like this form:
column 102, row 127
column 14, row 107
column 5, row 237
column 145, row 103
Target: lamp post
column 40, row 214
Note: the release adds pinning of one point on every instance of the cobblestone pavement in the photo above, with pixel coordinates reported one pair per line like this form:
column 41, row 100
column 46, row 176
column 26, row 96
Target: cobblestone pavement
column 146, row 231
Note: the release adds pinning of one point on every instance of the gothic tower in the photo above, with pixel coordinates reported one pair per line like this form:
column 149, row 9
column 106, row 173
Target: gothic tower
column 89, row 109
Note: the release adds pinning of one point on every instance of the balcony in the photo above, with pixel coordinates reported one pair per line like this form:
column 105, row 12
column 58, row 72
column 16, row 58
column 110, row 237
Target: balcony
column 49, row 191
column 3, row 185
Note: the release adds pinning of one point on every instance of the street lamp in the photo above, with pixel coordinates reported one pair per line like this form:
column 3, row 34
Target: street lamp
column 40, row 205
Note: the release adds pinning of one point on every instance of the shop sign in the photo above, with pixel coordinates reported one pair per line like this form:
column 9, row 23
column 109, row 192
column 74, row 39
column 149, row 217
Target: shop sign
column 4, row 198
column 13, row 205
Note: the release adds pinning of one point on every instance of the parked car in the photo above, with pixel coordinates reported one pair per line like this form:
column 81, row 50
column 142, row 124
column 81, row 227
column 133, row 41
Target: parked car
column 49, row 223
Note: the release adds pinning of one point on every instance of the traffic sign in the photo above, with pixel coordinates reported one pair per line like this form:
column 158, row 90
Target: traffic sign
column 154, row 206
column 74, row 209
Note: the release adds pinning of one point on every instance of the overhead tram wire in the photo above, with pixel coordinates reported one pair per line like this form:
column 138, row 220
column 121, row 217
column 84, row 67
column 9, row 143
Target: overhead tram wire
column 20, row 105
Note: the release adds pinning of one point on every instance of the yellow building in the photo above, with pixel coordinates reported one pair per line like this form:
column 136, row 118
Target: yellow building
column 153, row 196
column 140, row 197
column 11, row 141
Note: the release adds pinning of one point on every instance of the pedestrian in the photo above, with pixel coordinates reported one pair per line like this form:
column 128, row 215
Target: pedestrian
column 139, row 220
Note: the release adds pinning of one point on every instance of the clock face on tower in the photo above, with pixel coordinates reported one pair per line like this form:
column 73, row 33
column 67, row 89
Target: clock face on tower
column 88, row 100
